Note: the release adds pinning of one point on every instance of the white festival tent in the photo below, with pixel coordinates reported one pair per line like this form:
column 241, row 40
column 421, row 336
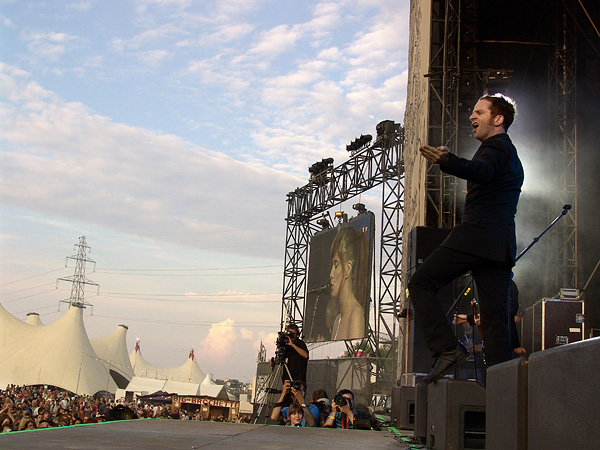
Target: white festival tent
column 112, row 351
column 61, row 354
column 58, row 354
column 33, row 318
column 189, row 372
column 187, row 379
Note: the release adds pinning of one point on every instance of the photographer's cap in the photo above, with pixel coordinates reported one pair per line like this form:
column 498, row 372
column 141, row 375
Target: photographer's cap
column 325, row 400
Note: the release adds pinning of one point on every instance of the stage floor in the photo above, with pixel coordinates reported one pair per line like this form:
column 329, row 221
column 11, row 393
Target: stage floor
column 150, row 434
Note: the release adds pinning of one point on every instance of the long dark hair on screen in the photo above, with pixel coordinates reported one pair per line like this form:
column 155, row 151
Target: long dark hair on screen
column 353, row 245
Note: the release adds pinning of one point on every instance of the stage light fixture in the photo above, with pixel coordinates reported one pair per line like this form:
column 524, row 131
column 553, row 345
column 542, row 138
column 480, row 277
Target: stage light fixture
column 384, row 128
column 325, row 225
column 360, row 207
column 359, row 143
column 320, row 166
column 341, row 217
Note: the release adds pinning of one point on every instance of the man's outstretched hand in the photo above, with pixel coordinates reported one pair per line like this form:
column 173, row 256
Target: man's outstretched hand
column 435, row 155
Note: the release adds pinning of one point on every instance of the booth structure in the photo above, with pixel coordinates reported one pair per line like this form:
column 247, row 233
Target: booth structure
column 210, row 408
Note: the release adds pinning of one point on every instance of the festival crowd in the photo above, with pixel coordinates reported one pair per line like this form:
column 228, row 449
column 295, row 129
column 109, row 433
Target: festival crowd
column 31, row 407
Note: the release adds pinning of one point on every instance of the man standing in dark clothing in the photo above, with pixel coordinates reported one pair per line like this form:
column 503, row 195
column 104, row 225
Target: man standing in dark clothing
column 484, row 243
column 297, row 356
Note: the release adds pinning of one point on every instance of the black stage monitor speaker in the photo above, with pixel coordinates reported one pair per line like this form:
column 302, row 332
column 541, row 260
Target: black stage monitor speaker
column 506, row 406
column 563, row 401
column 421, row 412
column 403, row 407
column 455, row 415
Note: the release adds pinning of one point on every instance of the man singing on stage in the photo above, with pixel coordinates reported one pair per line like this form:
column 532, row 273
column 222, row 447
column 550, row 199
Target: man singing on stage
column 484, row 243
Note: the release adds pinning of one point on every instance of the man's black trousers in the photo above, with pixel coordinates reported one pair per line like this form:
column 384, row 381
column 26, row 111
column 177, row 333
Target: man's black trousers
column 492, row 279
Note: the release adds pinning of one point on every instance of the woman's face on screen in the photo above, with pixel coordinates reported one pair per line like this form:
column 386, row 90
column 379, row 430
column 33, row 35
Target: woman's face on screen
column 337, row 275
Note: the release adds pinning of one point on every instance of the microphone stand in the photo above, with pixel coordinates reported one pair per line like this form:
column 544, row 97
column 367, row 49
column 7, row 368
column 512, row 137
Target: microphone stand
column 565, row 210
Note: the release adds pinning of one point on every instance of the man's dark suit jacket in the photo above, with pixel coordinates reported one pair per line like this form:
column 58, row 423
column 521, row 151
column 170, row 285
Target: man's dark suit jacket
column 494, row 178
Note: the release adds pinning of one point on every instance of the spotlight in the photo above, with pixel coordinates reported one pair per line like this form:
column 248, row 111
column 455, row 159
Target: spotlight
column 384, row 128
column 341, row 216
column 325, row 225
column 320, row 166
column 359, row 143
column 360, row 207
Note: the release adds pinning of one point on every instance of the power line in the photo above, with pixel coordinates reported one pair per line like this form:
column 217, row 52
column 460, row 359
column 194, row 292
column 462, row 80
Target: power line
column 29, row 278
column 27, row 296
column 197, row 300
column 28, row 289
column 192, row 274
column 241, row 294
column 192, row 269
column 193, row 323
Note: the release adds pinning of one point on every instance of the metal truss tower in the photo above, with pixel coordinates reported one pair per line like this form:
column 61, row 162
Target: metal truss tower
column 79, row 279
column 380, row 164
column 562, row 127
column 454, row 86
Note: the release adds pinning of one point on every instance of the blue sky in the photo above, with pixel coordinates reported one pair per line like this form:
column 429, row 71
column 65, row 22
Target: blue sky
column 168, row 132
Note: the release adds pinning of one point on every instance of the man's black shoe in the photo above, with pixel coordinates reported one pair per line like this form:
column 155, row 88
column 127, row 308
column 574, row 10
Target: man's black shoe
column 446, row 362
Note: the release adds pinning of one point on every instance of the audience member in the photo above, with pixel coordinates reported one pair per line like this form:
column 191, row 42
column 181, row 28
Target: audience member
column 291, row 394
column 342, row 414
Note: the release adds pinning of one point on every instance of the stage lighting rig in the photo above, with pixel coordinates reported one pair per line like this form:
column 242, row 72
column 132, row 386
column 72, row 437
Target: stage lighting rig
column 385, row 128
column 319, row 167
column 359, row 143
column 325, row 225
column 497, row 80
column 360, row 207
column 341, row 217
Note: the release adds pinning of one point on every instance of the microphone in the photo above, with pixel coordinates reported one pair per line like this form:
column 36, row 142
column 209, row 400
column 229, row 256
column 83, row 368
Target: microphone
column 325, row 288
column 566, row 206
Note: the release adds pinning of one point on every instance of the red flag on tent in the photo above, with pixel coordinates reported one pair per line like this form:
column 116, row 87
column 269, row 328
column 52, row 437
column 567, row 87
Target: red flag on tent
column 137, row 346
column 191, row 355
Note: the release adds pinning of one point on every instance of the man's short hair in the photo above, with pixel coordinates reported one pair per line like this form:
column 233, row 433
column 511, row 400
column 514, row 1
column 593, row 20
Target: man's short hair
column 502, row 105
column 293, row 326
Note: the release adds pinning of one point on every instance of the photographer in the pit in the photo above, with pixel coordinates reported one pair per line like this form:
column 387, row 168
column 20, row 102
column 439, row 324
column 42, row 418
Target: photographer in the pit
column 320, row 399
column 294, row 392
column 296, row 354
column 342, row 410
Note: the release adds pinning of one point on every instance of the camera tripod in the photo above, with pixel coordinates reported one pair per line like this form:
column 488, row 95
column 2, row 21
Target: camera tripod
column 264, row 396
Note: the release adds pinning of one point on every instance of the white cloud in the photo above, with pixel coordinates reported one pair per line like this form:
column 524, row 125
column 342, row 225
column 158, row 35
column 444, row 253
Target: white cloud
column 220, row 342
column 154, row 58
column 61, row 158
column 7, row 22
column 275, row 41
column 246, row 334
column 81, row 5
column 249, row 95
column 50, row 45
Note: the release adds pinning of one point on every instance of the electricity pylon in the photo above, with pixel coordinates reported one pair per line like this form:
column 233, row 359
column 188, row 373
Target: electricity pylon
column 79, row 280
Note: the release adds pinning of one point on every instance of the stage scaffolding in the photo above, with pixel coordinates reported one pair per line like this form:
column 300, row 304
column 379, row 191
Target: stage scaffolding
column 455, row 83
column 562, row 143
column 380, row 164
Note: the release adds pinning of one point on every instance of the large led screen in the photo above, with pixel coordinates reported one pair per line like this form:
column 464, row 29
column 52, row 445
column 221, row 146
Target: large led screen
column 339, row 281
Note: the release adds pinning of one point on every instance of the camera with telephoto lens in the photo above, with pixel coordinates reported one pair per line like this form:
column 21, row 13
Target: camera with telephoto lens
column 321, row 406
column 340, row 400
column 296, row 385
